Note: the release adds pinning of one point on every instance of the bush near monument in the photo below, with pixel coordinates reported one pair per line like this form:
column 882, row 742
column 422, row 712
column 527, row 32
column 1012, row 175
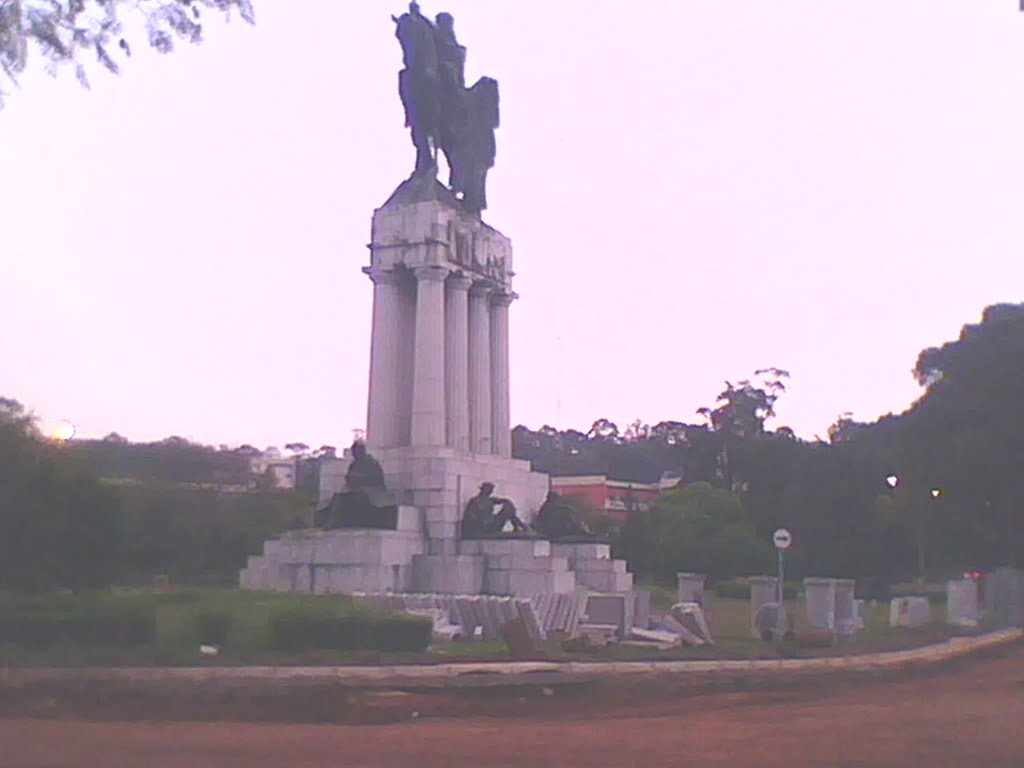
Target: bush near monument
column 59, row 527
column 308, row 631
column 199, row 537
column 168, row 627
column 957, row 452
column 65, row 620
column 697, row 528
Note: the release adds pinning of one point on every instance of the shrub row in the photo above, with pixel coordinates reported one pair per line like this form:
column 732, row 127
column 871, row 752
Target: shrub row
column 355, row 632
column 120, row 626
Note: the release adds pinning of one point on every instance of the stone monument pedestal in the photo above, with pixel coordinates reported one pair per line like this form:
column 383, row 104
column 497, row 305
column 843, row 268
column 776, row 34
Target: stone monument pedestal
column 438, row 422
column 594, row 567
column 344, row 560
column 440, row 481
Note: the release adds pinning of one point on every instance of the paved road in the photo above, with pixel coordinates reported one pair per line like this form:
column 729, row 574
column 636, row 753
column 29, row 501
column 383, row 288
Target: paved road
column 973, row 717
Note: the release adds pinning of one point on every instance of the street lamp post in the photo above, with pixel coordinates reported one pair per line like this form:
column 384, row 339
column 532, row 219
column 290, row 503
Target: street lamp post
column 902, row 496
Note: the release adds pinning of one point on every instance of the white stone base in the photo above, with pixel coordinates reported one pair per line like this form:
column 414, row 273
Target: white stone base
column 526, row 583
column 448, row 574
column 344, row 560
column 440, row 481
column 524, row 548
column 520, row 563
column 594, row 568
column 346, row 547
column 345, row 579
column 262, row 574
column 582, row 551
column 604, row 581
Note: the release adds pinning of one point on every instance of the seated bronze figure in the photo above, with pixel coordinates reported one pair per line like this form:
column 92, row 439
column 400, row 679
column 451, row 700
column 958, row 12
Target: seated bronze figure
column 482, row 521
column 557, row 519
column 365, row 502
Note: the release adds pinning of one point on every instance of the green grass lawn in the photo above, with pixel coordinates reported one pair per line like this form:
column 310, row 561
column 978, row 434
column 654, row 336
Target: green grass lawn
column 180, row 614
column 729, row 621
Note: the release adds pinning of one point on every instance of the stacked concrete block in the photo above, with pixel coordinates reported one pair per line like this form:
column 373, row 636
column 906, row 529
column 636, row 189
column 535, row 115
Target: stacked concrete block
column 909, row 612
column 690, row 588
column 847, row 620
column 463, row 615
column 641, row 608
column 337, row 561
column 520, row 567
column 594, row 568
column 962, row 608
column 439, row 481
column 820, row 603
column 608, row 611
column 558, row 612
column 582, row 551
column 499, row 582
column 1004, row 598
column 690, row 623
column 524, row 548
column 345, row 579
column 332, row 478
column 763, row 591
column 451, row 574
column 831, row 605
column 604, row 576
column 526, row 612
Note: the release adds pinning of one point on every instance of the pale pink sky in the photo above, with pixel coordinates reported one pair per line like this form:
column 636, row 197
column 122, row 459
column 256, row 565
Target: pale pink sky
column 694, row 189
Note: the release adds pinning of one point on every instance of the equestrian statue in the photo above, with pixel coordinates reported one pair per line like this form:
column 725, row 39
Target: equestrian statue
column 442, row 114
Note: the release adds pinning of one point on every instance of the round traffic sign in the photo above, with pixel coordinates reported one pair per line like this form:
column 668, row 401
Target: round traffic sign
column 782, row 538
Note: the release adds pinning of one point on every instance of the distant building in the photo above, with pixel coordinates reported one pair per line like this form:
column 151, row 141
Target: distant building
column 282, row 470
column 615, row 498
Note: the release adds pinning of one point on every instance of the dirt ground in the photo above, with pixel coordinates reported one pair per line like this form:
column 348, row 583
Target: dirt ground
column 973, row 716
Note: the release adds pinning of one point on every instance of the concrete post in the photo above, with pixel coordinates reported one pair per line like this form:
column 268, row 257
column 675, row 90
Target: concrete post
column 690, row 588
column 428, row 397
column 763, row 589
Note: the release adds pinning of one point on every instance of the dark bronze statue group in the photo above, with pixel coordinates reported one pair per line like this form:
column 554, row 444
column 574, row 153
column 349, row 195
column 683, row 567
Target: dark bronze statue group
column 444, row 116
column 367, row 503
column 440, row 111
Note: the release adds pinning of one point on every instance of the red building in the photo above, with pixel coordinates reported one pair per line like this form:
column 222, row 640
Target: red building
column 615, row 498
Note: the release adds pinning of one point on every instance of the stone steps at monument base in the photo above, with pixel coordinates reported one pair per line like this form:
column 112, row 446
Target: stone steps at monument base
column 346, row 547
column 600, row 566
column 582, row 551
column 526, row 548
column 450, row 574
column 526, row 583
column 520, row 563
column 262, row 574
column 604, row 581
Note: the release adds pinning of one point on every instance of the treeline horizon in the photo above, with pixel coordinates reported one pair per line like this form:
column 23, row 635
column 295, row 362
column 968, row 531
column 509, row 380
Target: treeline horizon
column 929, row 492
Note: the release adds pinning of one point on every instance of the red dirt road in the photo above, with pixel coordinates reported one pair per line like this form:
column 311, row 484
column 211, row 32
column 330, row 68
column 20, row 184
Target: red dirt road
column 971, row 717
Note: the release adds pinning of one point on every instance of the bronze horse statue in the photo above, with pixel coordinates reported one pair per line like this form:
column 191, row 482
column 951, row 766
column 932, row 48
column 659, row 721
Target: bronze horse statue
column 441, row 113
column 419, row 86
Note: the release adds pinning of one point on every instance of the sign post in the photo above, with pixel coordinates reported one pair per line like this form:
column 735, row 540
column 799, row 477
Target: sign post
column 782, row 540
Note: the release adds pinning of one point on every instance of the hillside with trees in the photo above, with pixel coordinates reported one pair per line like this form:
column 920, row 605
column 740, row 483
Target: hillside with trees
column 929, row 492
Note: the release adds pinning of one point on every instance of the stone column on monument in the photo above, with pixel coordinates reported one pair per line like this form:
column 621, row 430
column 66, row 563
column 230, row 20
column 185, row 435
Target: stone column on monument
column 428, row 398
column 501, row 428
column 382, row 427
column 457, row 360
column 480, row 368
